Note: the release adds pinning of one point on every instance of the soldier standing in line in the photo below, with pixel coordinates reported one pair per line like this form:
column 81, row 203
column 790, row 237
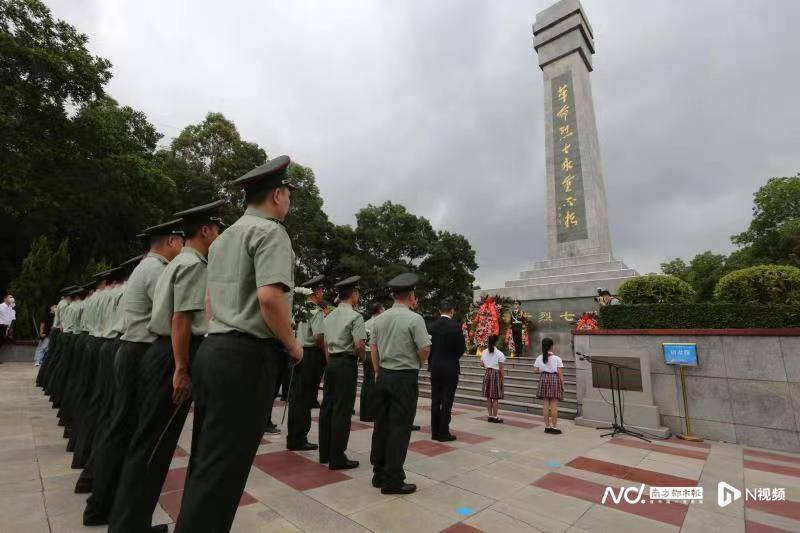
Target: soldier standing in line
column 166, row 241
column 345, row 338
column 164, row 383
column 400, row 345
column 368, row 382
column 250, row 284
column 311, row 334
column 115, row 327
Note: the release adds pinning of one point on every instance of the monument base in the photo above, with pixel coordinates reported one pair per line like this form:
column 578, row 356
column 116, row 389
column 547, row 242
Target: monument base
column 556, row 292
column 660, row 432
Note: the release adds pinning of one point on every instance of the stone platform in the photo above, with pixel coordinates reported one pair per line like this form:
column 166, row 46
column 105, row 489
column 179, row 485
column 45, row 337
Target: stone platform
column 496, row 477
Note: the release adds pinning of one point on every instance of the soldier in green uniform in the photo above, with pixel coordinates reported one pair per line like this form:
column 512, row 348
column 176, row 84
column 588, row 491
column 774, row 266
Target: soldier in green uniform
column 164, row 383
column 345, row 338
column 250, row 284
column 51, row 361
column 70, row 411
column 368, row 383
column 104, row 400
column 400, row 344
column 166, row 241
column 304, row 387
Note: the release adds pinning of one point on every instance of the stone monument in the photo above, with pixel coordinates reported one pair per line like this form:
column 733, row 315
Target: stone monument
column 579, row 257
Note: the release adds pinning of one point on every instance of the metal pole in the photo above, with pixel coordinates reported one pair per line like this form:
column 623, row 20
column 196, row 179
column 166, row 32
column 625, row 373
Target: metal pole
column 688, row 435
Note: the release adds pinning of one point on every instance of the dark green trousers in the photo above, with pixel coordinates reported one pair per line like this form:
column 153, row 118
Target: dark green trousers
column 88, row 403
column 304, row 392
column 338, row 398
column 367, row 386
column 110, row 452
column 394, row 404
column 142, row 478
column 233, row 378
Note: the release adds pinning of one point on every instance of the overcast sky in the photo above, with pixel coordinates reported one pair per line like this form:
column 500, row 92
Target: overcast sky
column 438, row 105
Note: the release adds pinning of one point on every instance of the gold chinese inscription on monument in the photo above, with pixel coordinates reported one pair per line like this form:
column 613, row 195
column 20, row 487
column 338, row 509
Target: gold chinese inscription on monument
column 570, row 208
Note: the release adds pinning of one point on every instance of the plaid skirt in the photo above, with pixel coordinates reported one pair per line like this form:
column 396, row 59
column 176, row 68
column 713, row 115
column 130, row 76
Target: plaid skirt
column 492, row 385
column 550, row 387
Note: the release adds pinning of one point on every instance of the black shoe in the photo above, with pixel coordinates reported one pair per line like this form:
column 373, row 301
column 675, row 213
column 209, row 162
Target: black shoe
column 347, row 465
column 83, row 487
column 434, row 437
column 160, row 528
column 555, row 431
column 447, row 438
column 548, row 430
column 92, row 518
column 305, row 447
column 272, row 429
column 492, row 419
column 405, row 488
column 415, row 427
column 377, row 482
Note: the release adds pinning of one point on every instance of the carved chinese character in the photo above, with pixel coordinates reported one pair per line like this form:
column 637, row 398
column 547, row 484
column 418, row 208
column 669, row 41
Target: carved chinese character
column 566, row 148
column 566, row 315
column 563, row 93
column 563, row 113
column 567, row 164
column 564, row 131
column 545, row 316
column 566, row 183
column 570, row 219
column 569, row 200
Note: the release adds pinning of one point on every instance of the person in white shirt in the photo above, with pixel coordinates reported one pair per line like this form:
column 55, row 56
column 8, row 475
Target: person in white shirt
column 7, row 317
column 494, row 361
column 551, row 385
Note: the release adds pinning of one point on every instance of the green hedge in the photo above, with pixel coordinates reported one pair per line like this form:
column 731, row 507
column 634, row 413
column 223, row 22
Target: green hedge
column 765, row 284
column 656, row 289
column 699, row 316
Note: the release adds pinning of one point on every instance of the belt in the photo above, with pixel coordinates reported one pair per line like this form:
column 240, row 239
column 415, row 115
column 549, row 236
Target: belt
column 241, row 334
column 400, row 370
column 343, row 354
column 543, row 372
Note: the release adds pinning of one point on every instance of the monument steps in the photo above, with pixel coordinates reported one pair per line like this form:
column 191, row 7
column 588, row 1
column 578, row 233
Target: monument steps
column 521, row 384
column 572, row 261
column 576, row 269
column 599, row 275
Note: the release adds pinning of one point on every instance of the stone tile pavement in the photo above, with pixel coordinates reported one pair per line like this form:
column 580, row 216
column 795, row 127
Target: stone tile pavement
column 507, row 478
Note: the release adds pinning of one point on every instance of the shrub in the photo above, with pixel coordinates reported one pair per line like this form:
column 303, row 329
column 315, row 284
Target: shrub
column 656, row 289
column 765, row 284
column 699, row 316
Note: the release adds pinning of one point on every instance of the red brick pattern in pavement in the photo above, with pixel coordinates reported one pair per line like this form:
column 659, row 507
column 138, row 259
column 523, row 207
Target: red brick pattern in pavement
column 465, row 436
column 773, row 456
column 297, row 471
column 770, row 467
column 673, row 513
column 630, row 473
column 672, row 450
column 429, row 447
column 172, row 493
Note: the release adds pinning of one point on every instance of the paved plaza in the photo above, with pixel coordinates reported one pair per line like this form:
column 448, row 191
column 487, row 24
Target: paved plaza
column 507, row 478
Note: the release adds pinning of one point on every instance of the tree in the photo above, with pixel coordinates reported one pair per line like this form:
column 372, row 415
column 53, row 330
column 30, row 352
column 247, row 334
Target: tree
column 704, row 272
column 448, row 272
column 774, row 232
column 216, row 152
column 43, row 274
column 676, row 267
column 46, row 70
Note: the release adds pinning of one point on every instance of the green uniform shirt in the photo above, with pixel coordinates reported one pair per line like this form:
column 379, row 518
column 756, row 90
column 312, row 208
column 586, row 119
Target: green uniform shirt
column 66, row 317
column 368, row 326
column 181, row 288
column 344, row 327
column 253, row 252
column 138, row 299
column 117, row 314
column 399, row 334
column 78, row 326
column 306, row 331
column 62, row 303
column 98, row 313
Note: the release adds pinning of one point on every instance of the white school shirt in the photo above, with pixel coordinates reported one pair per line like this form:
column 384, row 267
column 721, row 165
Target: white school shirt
column 552, row 365
column 493, row 360
column 7, row 314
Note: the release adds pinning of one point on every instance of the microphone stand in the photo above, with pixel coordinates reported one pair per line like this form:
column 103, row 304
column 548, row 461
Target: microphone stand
column 615, row 371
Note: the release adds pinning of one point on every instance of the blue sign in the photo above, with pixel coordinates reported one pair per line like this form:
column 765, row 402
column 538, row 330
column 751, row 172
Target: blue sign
column 684, row 354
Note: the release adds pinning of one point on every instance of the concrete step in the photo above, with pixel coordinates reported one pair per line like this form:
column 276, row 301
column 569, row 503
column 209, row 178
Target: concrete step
column 514, row 390
column 574, row 269
column 510, row 378
column 570, row 261
column 598, row 275
column 566, row 409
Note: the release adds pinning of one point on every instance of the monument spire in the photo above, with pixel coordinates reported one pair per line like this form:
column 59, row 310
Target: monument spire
column 579, row 257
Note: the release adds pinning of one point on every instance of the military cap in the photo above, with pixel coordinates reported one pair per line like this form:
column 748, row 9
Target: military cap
column 202, row 214
column 173, row 227
column 270, row 175
column 132, row 262
column 348, row 283
column 313, row 283
column 76, row 291
column 105, row 274
column 404, row 282
column 67, row 290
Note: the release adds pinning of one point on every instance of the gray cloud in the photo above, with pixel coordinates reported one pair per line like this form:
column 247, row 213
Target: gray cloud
column 438, row 105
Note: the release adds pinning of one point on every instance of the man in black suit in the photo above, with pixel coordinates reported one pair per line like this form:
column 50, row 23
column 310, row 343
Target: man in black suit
column 447, row 347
